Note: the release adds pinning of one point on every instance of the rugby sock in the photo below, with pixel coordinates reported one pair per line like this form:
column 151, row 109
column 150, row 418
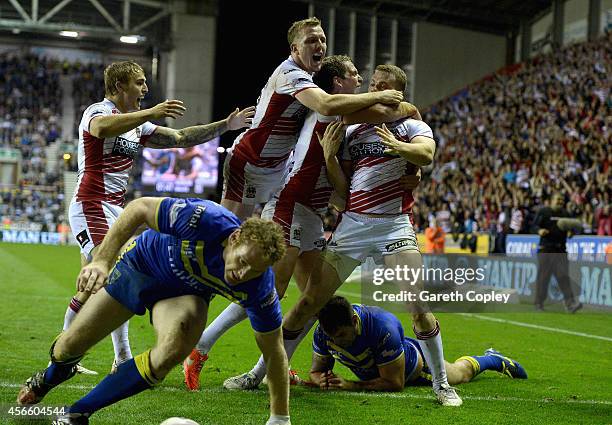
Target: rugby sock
column 431, row 345
column 231, row 316
column 58, row 372
column 290, row 346
column 71, row 312
column 121, row 343
column 481, row 363
column 131, row 377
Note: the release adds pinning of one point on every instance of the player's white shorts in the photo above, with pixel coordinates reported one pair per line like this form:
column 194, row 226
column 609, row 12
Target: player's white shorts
column 90, row 221
column 359, row 236
column 303, row 228
column 248, row 184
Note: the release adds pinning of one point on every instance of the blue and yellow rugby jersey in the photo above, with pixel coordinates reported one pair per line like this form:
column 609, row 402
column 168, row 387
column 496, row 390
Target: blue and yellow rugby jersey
column 185, row 253
column 380, row 340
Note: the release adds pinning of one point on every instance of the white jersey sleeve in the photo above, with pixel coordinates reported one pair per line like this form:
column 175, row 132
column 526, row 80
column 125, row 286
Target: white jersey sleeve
column 293, row 80
column 412, row 128
column 99, row 109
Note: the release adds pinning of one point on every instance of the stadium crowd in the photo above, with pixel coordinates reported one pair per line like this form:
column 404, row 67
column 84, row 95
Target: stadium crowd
column 500, row 155
column 511, row 140
column 29, row 122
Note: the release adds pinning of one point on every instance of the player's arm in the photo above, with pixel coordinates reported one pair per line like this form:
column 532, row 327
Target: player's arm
column 321, row 369
column 420, row 151
column 271, row 346
column 391, row 379
column 141, row 211
column 115, row 124
column 165, row 137
column 379, row 113
column 330, row 142
column 340, row 104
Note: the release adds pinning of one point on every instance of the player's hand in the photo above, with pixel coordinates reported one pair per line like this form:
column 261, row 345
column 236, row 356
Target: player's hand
column 332, row 139
column 240, row 119
column 543, row 232
column 92, row 277
column 387, row 138
column 325, row 379
column 339, row 383
column 389, row 97
column 410, row 182
column 167, row 109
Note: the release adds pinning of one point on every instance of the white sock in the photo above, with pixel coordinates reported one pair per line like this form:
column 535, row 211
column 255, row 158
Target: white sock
column 121, row 343
column 434, row 356
column 73, row 308
column 231, row 316
column 290, row 346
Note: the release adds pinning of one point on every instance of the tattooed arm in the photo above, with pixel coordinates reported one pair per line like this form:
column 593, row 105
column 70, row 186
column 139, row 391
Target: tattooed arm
column 165, row 137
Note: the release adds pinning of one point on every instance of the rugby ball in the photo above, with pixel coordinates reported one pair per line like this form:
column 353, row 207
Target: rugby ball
column 179, row 421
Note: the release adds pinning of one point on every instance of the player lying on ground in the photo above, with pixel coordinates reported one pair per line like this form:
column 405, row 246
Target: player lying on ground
column 298, row 207
column 193, row 250
column 111, row 133
column 371, row 343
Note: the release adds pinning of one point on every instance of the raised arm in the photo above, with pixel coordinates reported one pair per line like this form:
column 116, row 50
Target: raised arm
column 165, row 137
column 330, row 142
column 379, row 113
column 141, row 211
column 113, row 125
column 340, row 104
column 420, row 151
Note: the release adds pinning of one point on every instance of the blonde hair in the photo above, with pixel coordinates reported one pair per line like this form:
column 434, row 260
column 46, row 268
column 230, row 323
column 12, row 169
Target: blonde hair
column 397, row 72
column 298, row 26
column 267, row 234
column 119, row 72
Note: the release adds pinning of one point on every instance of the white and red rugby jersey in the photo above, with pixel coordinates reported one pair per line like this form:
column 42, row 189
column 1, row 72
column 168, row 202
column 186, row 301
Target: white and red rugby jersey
column 278, row 118
column 104, row 164
column 375, row 187
column 307, row 182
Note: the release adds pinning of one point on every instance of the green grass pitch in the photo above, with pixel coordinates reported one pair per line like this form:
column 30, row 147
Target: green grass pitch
column 569, row 381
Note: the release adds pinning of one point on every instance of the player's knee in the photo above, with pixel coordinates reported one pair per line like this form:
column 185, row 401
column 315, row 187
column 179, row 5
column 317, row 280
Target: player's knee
column 173, row 350
column 68, row 346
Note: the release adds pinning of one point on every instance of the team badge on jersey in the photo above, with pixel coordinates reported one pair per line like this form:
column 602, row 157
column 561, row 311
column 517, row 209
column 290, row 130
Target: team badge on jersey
column 138, row 132
column 297, row 233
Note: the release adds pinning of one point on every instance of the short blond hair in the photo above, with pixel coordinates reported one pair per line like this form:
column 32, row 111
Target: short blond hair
column 267, row 234
column 298, row 26
column 397, row 72
column 119, row 72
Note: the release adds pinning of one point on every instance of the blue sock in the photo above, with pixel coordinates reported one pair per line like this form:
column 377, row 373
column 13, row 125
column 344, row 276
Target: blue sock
column 56, row 373
column 125, row 382
column 489, row 363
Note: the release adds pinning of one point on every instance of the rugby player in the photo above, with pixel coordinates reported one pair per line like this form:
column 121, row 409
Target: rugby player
column 377, row 221
column 371, row 343
column 110, row 135
column 299, row 207
column 192, row 250
column 255, row 166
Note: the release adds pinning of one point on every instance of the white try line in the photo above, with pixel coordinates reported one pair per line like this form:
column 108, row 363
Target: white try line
column 348, row 394
column 513, row 322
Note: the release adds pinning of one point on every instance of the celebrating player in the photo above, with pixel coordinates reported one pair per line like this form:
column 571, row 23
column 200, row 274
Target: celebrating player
column 110, row 135
column 256, row 165
column 376, row 221
column 298, row 207
column 371, row 343
column 197, row 249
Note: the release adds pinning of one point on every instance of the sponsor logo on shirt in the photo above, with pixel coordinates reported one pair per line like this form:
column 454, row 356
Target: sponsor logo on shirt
column 138, row 132
column 269, row 300
column 195, row 217
column 363, row 150
column 250, row 191
column 387, row 353
column 82, row 238
column 174, row 211
column 125, row 147
column 297, row 234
